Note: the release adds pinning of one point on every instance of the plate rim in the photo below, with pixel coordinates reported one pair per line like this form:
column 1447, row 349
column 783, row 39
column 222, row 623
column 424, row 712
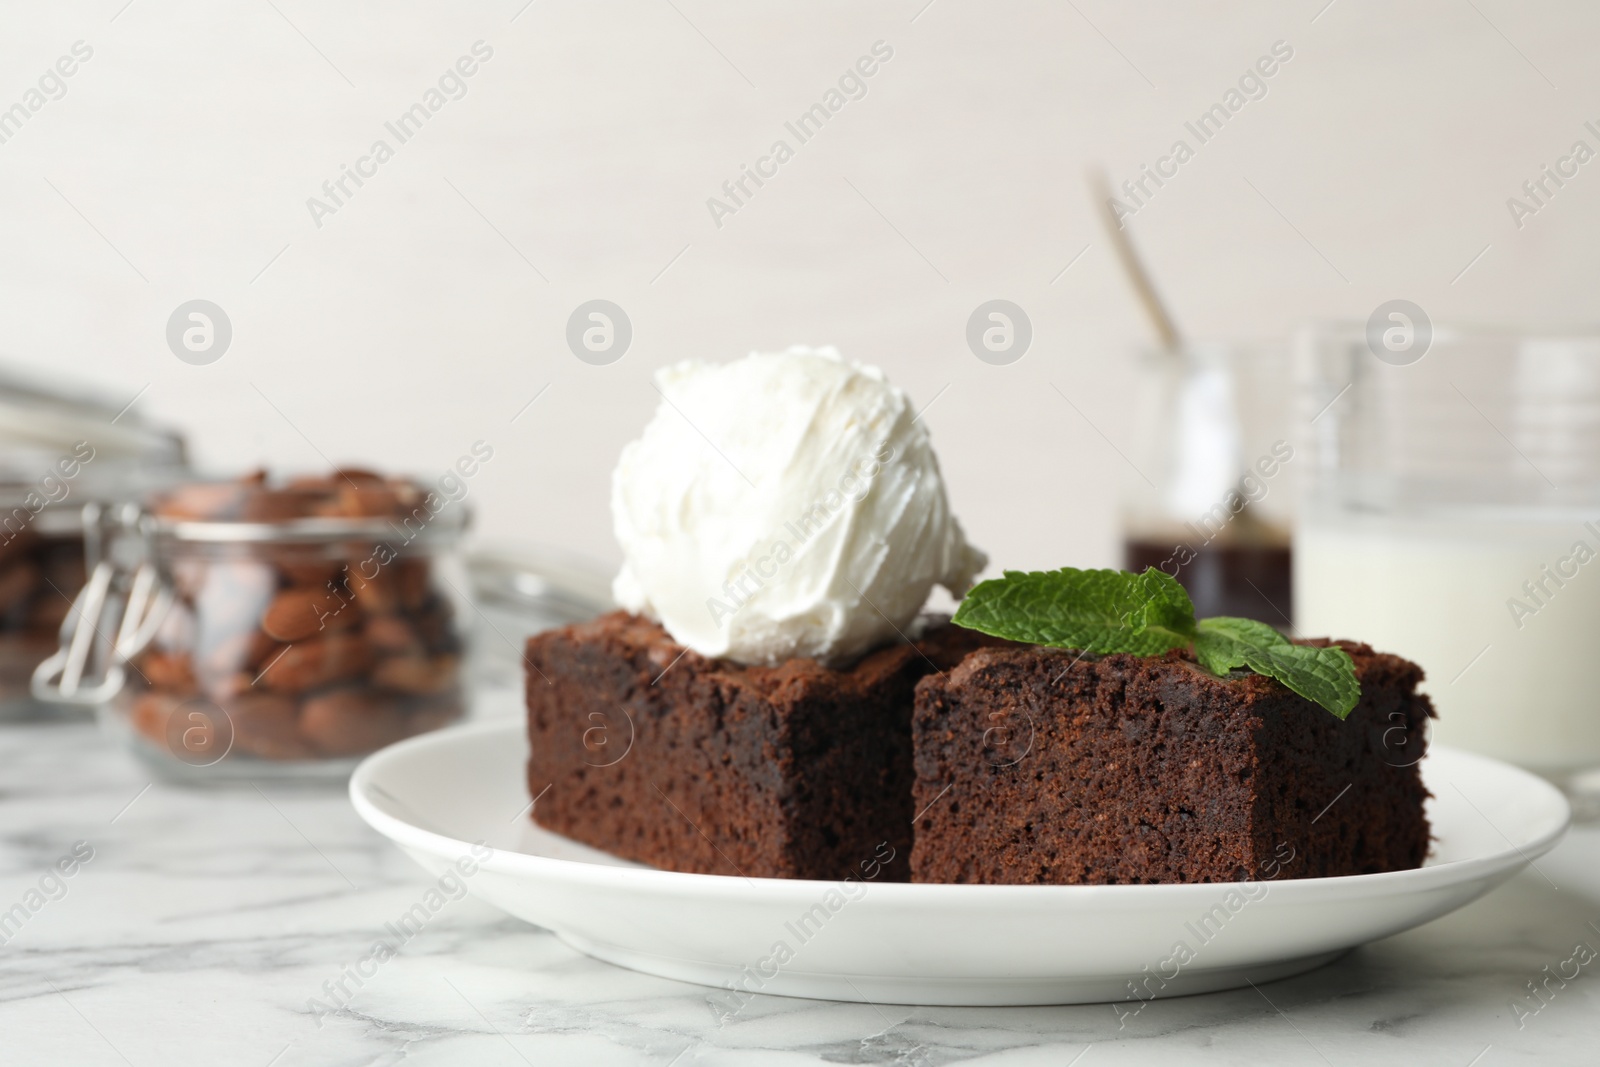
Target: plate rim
column 1418, row 879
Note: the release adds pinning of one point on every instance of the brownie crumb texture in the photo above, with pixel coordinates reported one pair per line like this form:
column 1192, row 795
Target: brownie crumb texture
column 1038, row 765
column 656, row 754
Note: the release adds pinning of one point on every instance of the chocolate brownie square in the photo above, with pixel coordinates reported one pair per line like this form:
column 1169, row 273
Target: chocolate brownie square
column 654, row 753
column 1041, row 765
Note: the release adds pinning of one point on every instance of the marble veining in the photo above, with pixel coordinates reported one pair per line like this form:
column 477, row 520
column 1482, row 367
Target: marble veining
column 217, row 926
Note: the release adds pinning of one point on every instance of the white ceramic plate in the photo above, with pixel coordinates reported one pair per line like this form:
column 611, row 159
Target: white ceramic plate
column 933, row 944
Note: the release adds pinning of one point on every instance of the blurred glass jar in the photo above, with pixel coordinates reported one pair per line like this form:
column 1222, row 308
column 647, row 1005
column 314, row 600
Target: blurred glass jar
column 273, row 631
column 60, row 452
column 520, row 591
column 1453, row 520
column 1208, row 498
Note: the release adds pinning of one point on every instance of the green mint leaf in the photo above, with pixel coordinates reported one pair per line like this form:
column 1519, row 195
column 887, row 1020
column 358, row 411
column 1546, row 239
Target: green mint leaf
column 1167, row 609
column 1100, row 611
column 1326, row 676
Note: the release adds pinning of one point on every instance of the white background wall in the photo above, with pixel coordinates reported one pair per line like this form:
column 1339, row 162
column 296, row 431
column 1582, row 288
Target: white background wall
column 406, row 327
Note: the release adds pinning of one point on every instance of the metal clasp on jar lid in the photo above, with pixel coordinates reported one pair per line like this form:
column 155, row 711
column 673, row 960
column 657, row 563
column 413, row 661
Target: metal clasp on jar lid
column 133, row 604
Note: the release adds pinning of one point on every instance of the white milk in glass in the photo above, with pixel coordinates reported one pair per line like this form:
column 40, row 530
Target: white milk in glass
column 1502, row 614
column 1455, row 520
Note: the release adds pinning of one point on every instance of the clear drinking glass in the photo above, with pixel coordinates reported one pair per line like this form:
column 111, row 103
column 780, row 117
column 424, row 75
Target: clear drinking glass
column 1454, row 519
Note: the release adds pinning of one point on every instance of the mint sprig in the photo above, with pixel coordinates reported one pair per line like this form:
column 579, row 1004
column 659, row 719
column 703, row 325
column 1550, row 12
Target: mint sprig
column 1097, row 611
column 1105, row 611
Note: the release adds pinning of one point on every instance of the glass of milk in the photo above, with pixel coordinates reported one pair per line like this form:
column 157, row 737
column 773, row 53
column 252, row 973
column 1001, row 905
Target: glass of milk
column 1453, row 517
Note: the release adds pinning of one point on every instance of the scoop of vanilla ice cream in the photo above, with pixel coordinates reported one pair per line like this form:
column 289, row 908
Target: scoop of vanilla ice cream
column 785, row 504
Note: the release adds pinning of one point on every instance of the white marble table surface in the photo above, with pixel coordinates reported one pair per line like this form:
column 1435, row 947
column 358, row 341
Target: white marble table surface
column 207, row 921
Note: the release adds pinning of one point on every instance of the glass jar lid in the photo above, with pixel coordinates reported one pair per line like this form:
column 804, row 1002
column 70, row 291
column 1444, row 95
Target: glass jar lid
column 67, row 445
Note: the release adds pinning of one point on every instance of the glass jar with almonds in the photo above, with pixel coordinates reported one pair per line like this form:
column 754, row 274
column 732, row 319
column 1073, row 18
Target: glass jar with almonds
column 262, row 629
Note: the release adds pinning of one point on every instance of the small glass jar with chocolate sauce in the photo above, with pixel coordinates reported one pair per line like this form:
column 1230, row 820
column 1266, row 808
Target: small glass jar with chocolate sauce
column 252, row 630
column 1209, row 497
